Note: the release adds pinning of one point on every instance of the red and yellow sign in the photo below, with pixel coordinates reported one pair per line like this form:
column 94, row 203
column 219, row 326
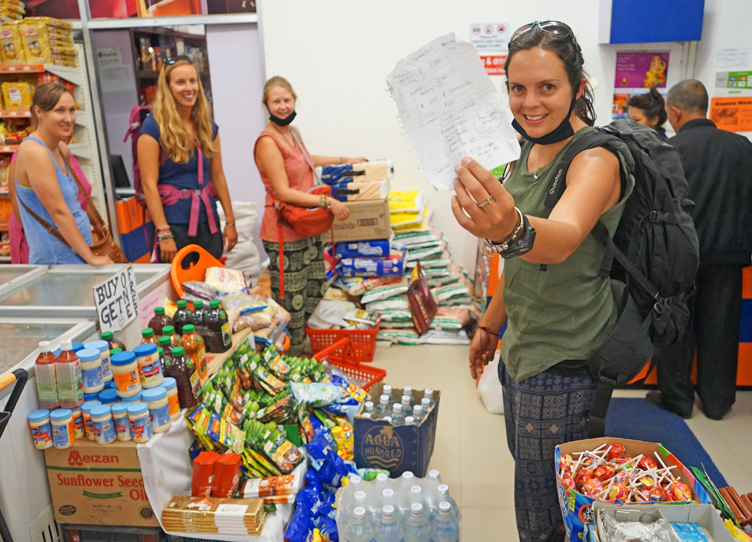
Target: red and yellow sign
column 494, row 64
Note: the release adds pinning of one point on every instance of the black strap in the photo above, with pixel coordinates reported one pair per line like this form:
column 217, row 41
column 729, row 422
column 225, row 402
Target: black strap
column 600, row 407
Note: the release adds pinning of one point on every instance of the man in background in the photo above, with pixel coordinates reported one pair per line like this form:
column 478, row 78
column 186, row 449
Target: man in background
column 718, row 168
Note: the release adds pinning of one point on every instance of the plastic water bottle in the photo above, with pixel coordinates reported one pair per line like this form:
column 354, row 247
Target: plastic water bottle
column 431, row 491
column 444, row 496
column 378, row 486
column 409, row 392
column 356, row 484
column 416, row 527
column 416, row 497
column 426, row 404
column 382, row 409
column 428, row 394
column 387, row 419
column 406, row 481
column 359, row 530
column 418, row 414
column 407, row 408
column 366, row 415
column 446, row 527
column 359, row 500
column 388, row 498
column 409, row 420
column 397, row 417
column 387, row 390
column 388, row 529
column 368, row 406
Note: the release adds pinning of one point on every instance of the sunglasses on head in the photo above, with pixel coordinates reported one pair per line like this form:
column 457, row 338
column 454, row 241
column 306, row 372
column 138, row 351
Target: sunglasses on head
column 175, row 59
column 550, row 27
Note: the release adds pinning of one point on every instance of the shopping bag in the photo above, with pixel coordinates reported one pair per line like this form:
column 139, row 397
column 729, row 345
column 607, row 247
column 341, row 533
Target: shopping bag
column 489, row 386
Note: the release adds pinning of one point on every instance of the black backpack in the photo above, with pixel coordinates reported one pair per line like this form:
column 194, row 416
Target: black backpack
column 652, row 259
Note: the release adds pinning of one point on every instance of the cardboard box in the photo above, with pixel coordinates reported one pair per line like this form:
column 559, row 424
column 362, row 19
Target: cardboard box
column 93, row 484
column 368, row 220
column 380, row 445
column 704, row 515
column 576, row 508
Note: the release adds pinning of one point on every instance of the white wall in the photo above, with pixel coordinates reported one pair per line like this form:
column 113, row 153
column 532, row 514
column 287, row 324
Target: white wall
column 235, row 65
column 337, row 53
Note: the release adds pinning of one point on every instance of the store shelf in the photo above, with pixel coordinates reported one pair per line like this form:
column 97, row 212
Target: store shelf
column 64, row 72
column 146, row 22
column 14, row 113
column 4, row 259
column 80, row 150
column 22, row 68
column 8, row 148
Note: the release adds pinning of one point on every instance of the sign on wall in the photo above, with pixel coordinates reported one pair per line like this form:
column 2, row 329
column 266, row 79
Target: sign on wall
column 489, row 36
column 494, row 64
column 636, row 72
column 116, row 300
column 732, row 114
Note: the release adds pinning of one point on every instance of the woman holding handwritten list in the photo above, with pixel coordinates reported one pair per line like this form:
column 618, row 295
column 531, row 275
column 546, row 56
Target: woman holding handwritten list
column 558, row 309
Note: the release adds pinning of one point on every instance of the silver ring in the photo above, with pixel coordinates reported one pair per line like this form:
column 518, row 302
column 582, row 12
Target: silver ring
column 489, row 200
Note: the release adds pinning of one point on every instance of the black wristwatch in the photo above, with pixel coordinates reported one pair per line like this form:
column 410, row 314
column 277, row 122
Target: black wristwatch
column 511, row 249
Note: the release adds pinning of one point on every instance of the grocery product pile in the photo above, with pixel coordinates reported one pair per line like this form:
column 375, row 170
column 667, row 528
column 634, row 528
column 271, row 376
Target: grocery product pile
column 608, row 474
column 35, row 40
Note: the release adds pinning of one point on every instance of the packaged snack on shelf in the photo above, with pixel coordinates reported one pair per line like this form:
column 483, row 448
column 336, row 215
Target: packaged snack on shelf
column 17, row 95
column 63, row 26
column 11, row 45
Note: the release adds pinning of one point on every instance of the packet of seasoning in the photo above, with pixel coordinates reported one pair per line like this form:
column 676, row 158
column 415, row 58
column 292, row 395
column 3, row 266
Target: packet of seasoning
column 203, row 474
column 226, row 475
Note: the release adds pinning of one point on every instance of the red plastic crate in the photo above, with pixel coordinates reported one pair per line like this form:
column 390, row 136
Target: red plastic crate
column 342, row 355
column 363, row 340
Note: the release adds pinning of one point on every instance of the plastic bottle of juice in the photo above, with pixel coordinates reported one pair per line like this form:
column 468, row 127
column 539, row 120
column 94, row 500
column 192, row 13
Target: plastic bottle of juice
column 169, row 331
column 218, row 337
column 114, row 343
column 186, row 376
column 46, row 375
column 182, row 316
column 148, row 337
column 200, row 314
column 160, row 320
column 194, row 347
column 166, row 345
column 70, row 384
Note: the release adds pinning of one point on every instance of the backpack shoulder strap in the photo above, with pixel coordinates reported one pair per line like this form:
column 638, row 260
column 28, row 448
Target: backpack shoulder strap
column 559, row 181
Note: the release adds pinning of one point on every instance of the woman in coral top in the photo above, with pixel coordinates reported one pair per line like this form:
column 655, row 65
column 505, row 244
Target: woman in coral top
column 287, row 177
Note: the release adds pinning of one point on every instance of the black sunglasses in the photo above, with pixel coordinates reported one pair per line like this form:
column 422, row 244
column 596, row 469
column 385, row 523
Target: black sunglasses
column 551, row 27
column 175, row 59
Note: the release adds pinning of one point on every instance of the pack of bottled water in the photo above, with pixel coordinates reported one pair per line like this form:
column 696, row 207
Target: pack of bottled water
column 402, row 410
column 407, row 508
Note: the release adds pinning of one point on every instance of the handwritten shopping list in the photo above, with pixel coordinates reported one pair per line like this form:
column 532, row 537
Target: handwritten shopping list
column 450, row 109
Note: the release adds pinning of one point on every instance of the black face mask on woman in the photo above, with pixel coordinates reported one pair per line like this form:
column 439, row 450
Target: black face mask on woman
column 283, row 122
column 562, row 132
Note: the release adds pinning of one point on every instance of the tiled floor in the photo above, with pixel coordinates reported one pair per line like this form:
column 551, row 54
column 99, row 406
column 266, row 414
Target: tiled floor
column 471, row 450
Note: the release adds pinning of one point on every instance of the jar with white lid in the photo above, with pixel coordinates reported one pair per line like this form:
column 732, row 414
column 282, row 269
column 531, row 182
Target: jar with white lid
column 63, row 429
column 104, row 350
column 120, row 418
column 140, row 422
column 88, row 423
column 149, row 365
column 171, row 387
column 104, row 428
column 91, row 370
column 78, row 422
column 125, row 373
column 159, row 409
column 41, row 428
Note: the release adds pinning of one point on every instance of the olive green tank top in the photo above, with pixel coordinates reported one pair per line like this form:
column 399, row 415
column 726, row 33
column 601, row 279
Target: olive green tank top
column 567, row 311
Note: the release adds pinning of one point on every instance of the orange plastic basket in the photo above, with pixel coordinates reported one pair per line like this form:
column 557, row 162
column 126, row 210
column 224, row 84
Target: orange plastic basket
column 342, row 355
column 191, row 263
column 363, row 340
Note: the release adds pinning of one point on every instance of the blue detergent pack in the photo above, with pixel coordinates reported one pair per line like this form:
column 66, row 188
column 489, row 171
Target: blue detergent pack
column 377, row 248
column 391, row 266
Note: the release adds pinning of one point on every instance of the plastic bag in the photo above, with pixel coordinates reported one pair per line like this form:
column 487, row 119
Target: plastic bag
column 242, row 303
column 201, row 290
column 225, row 280
column 489, row 386
column 422, row 304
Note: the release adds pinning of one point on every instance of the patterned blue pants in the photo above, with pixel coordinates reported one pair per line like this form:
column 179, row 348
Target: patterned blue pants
column 542, row 412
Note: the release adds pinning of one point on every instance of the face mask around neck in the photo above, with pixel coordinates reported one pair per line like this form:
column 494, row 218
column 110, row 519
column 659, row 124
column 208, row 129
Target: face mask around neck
column 283, row 122
column 562, row 132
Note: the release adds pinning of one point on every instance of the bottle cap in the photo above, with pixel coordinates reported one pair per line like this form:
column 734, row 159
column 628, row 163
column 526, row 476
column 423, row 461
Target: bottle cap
column 359, row 495
column 388, row 510
column 107, row 336
column 119, row 408
column 416, row 509
column 108, row 396
column 397, row 408
column 381, row 478
column 159, row 310
column 45, row 346
column 360, row 512
column 102, row 346
column 77, row 346
column 146, row 349
column 86, row 407
column 168, row 330
column 428, row 392
column 148, row 332
column 164, row 341
column 384, row 399
column 168, row 383
column 443, row 489
column 182, row 304
column 160, row 351
column 88, row 354
column 366, row 415
column 178, row 351
column 445, row 507
column 433, row 474
column 417, row 409
column 408, row 475
column 39, row 415
column 387, row 390
column 188, row 328
column 409, row 420
column 137, row 408
column 123, row 358
column 65, row 344
column 153, row 394
column 415, row 490
column 387, row 419
column 61, row 414
column 100, row 410
column 214, row 304
column 426, row 402
column 407, row 391
column 198, row 304
column 355, row 479
column 405, row 400
column 369, row 406
column 91, row 396
column 115, row 351
column 388, row 493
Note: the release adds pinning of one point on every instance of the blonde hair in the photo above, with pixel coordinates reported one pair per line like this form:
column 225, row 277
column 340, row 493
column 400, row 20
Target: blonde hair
column 174, row 138
column 277, row 81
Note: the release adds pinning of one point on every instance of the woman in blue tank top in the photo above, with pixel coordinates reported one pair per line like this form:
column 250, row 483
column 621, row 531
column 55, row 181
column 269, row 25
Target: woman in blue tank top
column 45, row 187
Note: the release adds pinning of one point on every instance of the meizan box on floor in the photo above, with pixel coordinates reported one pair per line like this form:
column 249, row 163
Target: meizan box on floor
column 368, row 220
column 92, row 484
column 380, row 445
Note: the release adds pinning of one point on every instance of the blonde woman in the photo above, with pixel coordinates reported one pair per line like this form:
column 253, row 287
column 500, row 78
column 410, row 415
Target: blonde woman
column 180, row 161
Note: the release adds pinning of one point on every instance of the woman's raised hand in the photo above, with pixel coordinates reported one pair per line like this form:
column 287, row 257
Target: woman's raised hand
column 339, row 210
column 482, row 205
